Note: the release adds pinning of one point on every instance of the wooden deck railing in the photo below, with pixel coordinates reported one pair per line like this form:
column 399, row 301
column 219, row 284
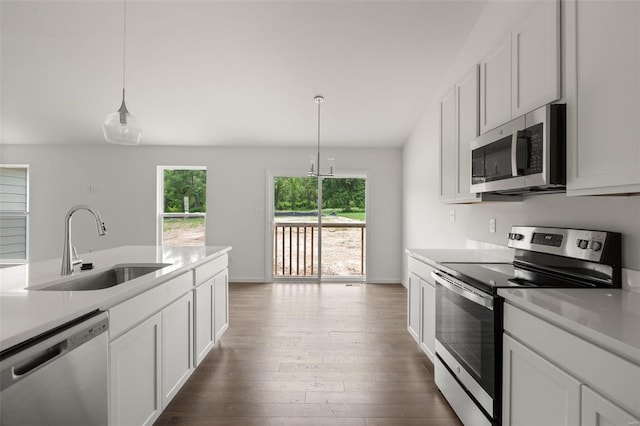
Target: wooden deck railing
column 296, row 247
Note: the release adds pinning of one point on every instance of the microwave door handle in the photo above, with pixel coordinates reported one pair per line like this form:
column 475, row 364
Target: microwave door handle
column 463, row 290
column 519, row 153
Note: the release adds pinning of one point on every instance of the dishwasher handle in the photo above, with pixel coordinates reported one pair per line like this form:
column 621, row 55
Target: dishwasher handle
column 39, row 359
column 24, row 360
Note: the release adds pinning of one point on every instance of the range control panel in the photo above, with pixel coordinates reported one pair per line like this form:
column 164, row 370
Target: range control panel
column 595, row 246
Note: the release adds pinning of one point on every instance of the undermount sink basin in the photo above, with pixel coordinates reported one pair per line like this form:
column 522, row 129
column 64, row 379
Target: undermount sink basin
column 105, row 279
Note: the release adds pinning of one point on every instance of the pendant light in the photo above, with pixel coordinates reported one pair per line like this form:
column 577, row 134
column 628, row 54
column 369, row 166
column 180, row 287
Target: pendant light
column 121, row 127
column 314, row 170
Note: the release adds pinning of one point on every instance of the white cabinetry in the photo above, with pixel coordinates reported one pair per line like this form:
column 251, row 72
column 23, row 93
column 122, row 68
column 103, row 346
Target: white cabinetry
column 150, row 351
column 204, row 318
column 428, row 318
column 522, row 72
column 546, row 366
column 177, row 361
column 413, row 306
column 535, row 59
column 448, row 146
column 459, row 124
column 221, row 303
column 531, row 382
column 603, row 92
column 422, row 306
column 598, row 411
column 211, row 299
column 135, row 377
column 495, row 86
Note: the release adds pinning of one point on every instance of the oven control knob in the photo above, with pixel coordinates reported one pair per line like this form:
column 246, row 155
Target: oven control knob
column 519, row 237
column 583, row 244
column 596, row 245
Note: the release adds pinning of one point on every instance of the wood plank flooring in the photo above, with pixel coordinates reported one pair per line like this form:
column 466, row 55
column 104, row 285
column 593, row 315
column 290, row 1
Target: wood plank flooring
column 313, row 354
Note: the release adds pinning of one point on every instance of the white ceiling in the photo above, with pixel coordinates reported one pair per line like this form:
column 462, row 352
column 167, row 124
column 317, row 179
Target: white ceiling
column 227, row 73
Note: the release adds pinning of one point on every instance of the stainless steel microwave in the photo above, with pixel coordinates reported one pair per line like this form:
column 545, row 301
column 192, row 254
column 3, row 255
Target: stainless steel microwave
column 525, row 155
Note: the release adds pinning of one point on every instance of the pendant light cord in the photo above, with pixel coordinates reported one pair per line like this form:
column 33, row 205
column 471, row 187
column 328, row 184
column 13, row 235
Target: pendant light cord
column 318, row 153
column 124, row 45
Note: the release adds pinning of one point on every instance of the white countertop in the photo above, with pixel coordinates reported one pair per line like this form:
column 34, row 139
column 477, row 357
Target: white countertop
column 435, row 256
column 26, row 312
column 609, row 318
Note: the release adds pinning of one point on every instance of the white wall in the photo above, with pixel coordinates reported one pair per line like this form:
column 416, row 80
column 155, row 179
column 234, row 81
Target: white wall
column 426, row 220
column 236, row 194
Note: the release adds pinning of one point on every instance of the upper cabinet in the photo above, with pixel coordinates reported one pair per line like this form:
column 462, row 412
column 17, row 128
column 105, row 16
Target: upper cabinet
column 522, row 72
column 535, row 60
column 458, row 126
column 603, row 96
column 495, row 86
column 448, row 142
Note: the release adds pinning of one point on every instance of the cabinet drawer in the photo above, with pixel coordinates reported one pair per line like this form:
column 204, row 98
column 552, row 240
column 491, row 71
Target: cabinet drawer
column 127, row 314
column 611, row 375
column 421, row 269
column 209, row 269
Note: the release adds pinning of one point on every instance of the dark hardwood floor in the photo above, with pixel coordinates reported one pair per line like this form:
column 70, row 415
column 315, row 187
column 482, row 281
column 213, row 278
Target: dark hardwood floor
column 313, row 354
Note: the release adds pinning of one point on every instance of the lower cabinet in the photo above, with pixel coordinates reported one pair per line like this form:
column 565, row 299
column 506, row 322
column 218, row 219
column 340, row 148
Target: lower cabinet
column 413, row 306
column 598, row 411
column 428, row 318
column 530, row 383
column 204, row 320
column 150, row 352
column 211, row 313
column 421, row 306
column 135, row 375
column 221, row 303
column 177, row 335
column 554, row 377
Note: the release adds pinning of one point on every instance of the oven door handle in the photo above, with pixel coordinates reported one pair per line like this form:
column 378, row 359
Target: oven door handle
column 463, row 290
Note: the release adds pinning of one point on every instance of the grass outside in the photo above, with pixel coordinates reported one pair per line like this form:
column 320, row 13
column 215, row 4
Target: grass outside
column 188, row 231
column 359, row 215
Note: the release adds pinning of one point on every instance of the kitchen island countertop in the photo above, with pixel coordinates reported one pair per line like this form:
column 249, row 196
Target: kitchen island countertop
column 26, row 312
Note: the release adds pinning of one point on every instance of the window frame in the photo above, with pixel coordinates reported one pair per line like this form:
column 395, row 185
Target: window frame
column 160, row 213
column 21, row 215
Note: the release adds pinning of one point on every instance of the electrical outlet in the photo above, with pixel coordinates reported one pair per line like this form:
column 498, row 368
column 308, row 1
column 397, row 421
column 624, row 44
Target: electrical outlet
column 93, row 189
column 492, row 225
column 452, row 216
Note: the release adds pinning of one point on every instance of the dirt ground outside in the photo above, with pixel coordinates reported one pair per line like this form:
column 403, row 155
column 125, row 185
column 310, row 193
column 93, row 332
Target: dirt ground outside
column 343, row 253
column 341, row 247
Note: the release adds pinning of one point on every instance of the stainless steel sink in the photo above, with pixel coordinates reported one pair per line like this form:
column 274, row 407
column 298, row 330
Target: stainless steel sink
column 105, row 279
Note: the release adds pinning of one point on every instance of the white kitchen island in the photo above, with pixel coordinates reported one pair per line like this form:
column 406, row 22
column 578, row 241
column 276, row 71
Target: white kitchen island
column 161, row 325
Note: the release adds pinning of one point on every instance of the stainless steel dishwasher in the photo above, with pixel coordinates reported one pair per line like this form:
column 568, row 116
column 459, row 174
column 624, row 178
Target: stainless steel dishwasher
column 58, row 378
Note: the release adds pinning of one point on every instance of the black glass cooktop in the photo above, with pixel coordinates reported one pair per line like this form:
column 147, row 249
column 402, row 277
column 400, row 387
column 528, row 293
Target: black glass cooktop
column 491, row 276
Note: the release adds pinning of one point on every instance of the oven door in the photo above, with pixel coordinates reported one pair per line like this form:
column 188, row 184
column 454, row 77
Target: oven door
column 468, row 338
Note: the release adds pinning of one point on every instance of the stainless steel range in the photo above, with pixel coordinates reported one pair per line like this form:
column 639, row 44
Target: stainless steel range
column 468, row 363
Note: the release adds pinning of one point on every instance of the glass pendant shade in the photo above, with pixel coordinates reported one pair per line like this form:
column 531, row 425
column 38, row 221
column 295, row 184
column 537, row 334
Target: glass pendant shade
column 121, row 127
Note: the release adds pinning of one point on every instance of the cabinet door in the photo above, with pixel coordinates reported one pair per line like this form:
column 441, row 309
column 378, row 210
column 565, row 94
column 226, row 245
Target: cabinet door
column 413, row 306
column 177, row 345
column 428, row 318
column 468, row 128
column 535, row 392
column 598, row 411
column 535, row 66
column 135, row 362
column 204, row 321
column 221, row 303
column 448, row 146
column 495, row 86
column 603, row 95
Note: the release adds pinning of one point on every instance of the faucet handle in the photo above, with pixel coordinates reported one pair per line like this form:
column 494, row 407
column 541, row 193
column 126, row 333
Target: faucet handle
column 75, row 260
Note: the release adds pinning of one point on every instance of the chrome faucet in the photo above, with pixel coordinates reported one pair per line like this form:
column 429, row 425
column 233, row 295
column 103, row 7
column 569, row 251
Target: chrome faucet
column 69, row 253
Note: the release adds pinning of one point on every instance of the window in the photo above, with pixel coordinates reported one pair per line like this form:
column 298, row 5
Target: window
column 14, row 213
column 182, row 205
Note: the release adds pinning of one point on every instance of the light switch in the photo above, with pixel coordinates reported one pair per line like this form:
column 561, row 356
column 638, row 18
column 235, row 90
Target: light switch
column 492, row 225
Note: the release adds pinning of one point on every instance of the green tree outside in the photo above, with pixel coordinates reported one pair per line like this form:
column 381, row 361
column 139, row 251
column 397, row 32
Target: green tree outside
column 185, row 183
